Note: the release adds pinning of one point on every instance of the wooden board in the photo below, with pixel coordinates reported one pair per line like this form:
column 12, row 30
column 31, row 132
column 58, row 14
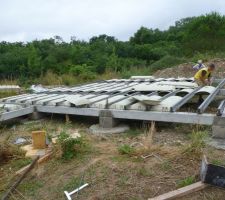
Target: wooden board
column 181, row 192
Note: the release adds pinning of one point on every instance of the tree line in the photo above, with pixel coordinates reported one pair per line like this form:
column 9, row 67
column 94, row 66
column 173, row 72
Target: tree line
column 148, row 49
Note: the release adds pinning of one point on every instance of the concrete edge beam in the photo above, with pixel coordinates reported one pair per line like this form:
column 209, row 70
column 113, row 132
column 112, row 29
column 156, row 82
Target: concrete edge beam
column 17, row 113
column 178, row 117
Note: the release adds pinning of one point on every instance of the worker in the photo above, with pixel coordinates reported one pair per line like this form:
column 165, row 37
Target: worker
column 199, row 65
column 204, row 75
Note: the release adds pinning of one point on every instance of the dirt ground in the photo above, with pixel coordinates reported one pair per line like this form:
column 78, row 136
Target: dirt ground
column 185, row 70
column 110, row 174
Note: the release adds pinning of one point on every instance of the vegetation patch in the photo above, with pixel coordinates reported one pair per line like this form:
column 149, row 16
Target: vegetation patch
column 197, row 143
column 70, row 147
column 185, row 182
column 126, row 149
column 30, row 187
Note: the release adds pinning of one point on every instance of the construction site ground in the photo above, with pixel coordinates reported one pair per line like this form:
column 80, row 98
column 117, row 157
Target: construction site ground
column 174, row 162
column 174, row 158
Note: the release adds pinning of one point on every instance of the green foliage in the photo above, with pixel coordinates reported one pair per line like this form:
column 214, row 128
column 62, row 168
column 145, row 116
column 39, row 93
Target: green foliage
column 197, row 143
column 126, row 149
column 53, row 61
column 167, row 61
column 185, row 182
column 69, row 146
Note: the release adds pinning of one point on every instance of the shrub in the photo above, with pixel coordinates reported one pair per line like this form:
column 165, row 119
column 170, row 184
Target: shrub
column 69, row 146
column 167, row 61
column 50, row 78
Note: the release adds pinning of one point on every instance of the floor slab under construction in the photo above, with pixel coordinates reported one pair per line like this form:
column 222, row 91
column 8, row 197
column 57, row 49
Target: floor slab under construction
column 137, row 98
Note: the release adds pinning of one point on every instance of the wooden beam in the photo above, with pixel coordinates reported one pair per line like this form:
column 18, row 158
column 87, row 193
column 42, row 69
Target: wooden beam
column 13, row 187
column 40, row 161
column 181, row 191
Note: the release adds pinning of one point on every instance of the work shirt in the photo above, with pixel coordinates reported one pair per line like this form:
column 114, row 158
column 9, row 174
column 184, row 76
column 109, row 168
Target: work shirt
column 199, row 75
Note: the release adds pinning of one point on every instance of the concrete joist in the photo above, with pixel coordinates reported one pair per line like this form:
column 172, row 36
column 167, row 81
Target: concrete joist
column 179, row 117
column 139, row 98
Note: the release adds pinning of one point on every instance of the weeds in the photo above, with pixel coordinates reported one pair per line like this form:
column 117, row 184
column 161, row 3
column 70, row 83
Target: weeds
column 185, row 182
column 132, row 133
column 124, row 179
column 144, row 172
column 197, row 144
column 166, row 165
column 75, row 182
column 218, row 162
column 126, row 150
column 18, row 164
column 30, row 187
column 8, row 152
column 69, row 146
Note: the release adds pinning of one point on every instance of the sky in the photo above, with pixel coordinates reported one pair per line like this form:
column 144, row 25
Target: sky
column 27, row 20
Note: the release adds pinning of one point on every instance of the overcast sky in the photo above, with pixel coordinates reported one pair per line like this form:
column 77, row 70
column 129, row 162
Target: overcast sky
column 26, row 20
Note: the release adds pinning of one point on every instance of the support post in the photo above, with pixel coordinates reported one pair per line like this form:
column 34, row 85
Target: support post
column 218, row 128
column 36, row 115
column 106, row 119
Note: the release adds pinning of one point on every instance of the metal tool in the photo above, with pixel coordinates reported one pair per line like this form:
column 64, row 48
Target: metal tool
column 68, row 194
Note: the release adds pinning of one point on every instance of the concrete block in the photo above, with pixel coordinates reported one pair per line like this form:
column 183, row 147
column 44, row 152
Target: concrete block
column 36, row 115
column 39, row 139
column 107, row 122
column 218, row 128
column 219, row 121
column 218, row 131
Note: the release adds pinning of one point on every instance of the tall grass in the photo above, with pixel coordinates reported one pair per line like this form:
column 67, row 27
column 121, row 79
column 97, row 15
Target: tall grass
column 197, row 144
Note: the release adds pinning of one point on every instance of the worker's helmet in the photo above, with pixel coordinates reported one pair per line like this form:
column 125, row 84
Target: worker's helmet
column 200, row 61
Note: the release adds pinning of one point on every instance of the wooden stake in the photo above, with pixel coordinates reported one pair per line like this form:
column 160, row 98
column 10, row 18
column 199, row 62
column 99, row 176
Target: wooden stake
column 181, row 192
column 13, row 187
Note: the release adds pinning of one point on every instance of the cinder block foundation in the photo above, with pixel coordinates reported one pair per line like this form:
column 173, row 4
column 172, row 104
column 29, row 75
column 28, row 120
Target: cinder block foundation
column 36, row 115
column 218, row 128
column 106, row 119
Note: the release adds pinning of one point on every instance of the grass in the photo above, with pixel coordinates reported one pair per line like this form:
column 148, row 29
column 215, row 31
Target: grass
column 145, row 172
column 185, row 182
column 18, row 164
column 73, row 183
column 123, row 180
column 166, row 165
column 114, row 175
column 218, row 162
column 126, row 149
column 197, row 143
column 4, row 94
column 30, row 187
column 133, row 132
